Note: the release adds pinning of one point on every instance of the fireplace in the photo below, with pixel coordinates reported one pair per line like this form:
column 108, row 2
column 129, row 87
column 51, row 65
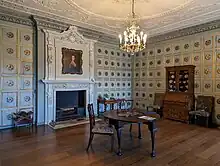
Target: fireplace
column 70, row 105
column 67, row 95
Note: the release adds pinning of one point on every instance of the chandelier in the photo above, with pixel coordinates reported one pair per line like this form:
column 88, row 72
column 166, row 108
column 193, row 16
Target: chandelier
column 133, row 40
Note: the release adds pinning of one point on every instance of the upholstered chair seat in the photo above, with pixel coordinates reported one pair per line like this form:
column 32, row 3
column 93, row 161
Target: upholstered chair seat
column 103, row 129
column 200, row 113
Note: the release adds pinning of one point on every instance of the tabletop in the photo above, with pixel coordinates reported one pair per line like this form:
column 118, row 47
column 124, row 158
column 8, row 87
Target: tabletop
column 130, row 116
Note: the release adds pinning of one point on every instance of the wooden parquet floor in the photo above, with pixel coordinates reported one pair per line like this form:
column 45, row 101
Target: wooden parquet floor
column 177, row 144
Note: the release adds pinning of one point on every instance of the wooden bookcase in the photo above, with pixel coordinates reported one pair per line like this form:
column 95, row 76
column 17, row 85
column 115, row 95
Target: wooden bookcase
column 179, row 96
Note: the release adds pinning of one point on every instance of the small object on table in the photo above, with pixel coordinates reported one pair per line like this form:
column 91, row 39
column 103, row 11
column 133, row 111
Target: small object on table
column 147, row 118
column 128, row 114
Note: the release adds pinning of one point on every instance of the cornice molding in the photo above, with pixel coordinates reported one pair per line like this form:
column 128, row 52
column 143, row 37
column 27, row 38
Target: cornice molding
column 15, row 19
column 186, row 31
column 61, row 26
column 47, row 23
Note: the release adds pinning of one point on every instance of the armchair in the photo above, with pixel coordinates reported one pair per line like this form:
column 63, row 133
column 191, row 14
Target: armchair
column 202, row 115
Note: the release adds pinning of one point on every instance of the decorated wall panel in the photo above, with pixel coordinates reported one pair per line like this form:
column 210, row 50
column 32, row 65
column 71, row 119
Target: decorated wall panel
column 201, row 50
column 16, row 71
column 113, row 72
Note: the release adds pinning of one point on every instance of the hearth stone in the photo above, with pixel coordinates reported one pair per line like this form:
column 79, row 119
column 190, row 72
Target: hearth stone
column 70, row 123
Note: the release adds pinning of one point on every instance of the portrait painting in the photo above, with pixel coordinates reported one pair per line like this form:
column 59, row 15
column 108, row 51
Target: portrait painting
column 71, row 61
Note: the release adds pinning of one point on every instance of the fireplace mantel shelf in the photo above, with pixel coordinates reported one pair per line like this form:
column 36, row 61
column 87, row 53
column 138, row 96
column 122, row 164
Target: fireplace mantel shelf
column 68, row 81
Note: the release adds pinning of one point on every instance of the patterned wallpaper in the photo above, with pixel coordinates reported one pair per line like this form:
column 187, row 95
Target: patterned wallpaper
column 16, row 71
column 201, row 50
column 113, row 70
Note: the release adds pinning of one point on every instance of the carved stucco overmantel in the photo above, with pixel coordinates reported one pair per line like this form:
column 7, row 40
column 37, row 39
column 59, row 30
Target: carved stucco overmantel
column 69, row 86
column 73, row 36
column 92, row 57
column 54, row 41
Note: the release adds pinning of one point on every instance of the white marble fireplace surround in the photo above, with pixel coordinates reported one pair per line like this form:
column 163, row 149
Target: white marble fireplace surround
column 55, row 80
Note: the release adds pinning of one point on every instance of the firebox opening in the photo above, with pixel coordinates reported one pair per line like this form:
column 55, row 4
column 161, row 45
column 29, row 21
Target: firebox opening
column 70, row 105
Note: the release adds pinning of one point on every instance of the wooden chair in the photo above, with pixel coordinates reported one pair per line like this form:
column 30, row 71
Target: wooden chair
column 202, row 115
column 102, row 129
column 158, row 104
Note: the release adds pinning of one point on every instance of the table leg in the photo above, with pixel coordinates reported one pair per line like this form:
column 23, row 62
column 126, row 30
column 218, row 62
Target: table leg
column 118, row 128
column 112, row 106
column 98, row 108
column 139, row 130
column 153, row 129
column 120, row 105
column 105, row 107
column 119, row 140
column 207, row 121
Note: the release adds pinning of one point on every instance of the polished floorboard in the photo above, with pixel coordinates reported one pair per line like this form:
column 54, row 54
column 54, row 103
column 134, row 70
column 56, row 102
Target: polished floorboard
column 177, row 144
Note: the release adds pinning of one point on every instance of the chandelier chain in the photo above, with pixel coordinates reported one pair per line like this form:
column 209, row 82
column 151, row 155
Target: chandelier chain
column 133, row 14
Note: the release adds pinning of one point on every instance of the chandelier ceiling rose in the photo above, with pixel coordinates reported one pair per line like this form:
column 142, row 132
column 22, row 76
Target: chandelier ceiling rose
column 133, row 40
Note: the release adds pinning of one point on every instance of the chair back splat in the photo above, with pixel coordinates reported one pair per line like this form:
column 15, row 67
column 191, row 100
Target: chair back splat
column 91, row 116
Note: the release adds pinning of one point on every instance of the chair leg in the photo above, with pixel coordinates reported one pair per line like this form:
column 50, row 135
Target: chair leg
column 130, row 128
column 112, row 142
column 207, row 122
column 90, row 141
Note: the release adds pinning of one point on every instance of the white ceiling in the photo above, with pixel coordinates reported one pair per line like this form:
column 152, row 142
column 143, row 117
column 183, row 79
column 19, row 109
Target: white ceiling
column 119, row 9
column 156, row 16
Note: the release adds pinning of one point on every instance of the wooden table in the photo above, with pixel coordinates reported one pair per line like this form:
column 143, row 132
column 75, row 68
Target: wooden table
column 119, row 121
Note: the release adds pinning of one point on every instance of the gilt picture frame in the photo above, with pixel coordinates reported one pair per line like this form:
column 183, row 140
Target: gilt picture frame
column 72, row 61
